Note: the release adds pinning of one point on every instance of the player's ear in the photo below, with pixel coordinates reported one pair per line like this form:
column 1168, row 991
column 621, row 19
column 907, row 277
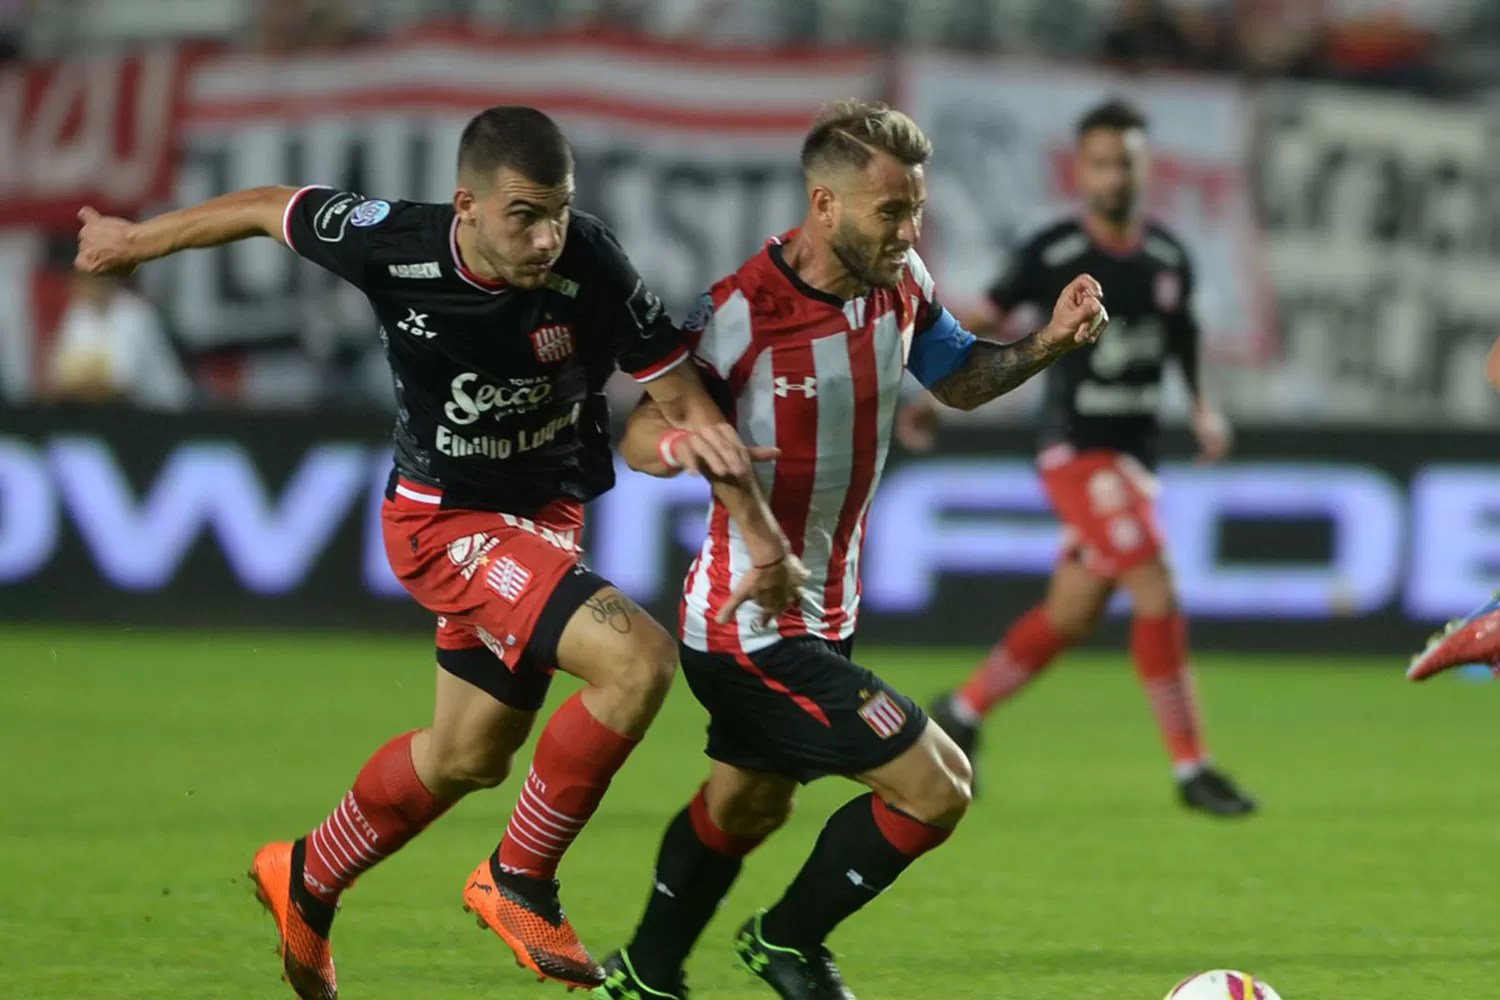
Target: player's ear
column 824, row 202
column 465, row 205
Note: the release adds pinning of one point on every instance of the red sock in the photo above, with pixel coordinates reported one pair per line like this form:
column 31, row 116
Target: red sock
column 1025, row 651
column 574, row 761
column 387, row 806
column 1159, row 646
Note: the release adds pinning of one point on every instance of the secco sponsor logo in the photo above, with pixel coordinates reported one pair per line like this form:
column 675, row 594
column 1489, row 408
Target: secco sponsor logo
column 473, row 398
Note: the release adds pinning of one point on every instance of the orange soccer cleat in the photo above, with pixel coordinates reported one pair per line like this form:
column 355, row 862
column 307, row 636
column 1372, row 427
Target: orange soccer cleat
column 306, row 958
column 527, row 915
column 1473, row 639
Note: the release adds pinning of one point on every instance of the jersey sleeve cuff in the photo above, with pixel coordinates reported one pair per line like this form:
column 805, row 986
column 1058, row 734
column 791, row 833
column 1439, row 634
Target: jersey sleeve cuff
column 663, row 366
column 291, row 206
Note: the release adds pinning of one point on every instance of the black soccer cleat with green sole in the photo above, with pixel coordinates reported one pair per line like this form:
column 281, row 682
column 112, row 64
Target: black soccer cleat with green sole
column 809, row 974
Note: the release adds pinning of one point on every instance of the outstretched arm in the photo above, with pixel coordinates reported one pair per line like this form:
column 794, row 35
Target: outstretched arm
column 680, row 427
column 993, row 369
column 108, row 245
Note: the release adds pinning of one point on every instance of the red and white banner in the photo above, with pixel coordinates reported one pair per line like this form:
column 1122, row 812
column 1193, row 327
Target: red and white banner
column 691, row 156
column 94, row 129
column 1004, row 132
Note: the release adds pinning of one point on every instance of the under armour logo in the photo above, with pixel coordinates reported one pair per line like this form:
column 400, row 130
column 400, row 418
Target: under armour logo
column 808, row 386
column 415, row 324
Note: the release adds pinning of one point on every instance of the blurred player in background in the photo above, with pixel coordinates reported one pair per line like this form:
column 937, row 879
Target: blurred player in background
column 1474, row 638
column 1098, row 446
column 805, row 346
column 502, row 316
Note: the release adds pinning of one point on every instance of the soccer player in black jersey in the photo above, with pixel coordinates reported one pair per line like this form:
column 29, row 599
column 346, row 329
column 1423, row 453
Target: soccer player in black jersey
column 502, row 315
column 1097, row 448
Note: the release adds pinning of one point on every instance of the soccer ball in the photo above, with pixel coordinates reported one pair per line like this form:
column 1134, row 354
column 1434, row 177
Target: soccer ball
column 1222, row 984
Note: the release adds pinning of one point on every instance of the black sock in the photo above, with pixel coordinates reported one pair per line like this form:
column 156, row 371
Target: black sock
column 691, row 880
column 851, row 864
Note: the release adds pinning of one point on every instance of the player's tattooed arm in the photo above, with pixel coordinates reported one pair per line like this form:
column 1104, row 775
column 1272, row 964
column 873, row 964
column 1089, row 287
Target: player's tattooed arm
column 108, row 245
column 993, row 369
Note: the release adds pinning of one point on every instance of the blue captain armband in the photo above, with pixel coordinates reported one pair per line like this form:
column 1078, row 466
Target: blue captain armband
column 939, row 350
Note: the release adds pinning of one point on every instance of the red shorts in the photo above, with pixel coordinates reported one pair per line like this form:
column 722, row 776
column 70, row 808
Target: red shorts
column 1106, row 502
column 497, row 581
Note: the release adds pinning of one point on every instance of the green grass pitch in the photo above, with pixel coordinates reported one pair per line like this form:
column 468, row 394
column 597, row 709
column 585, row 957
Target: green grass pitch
column 140, row 770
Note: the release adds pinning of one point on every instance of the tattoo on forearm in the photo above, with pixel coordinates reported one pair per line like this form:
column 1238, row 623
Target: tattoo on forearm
column 614, row 611
column 994, row 369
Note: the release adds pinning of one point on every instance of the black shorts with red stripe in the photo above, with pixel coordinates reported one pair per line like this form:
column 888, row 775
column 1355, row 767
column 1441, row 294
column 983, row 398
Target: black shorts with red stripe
column 801, row 708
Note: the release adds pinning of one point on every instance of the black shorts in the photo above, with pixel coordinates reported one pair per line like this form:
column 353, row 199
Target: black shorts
column 800, row 708
column 526, row 686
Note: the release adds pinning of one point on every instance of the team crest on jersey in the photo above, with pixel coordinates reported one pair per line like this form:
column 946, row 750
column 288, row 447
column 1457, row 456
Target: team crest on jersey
column 883, row 715
column 508, row 578
column 369, row 213
column 1168, row 289
column 552, row 343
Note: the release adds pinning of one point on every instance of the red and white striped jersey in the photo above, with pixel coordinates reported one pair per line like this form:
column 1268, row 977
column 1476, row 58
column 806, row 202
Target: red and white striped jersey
column 820, row 379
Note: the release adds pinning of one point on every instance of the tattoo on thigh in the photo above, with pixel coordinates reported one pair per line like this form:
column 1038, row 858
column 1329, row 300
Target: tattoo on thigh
column 614, row 611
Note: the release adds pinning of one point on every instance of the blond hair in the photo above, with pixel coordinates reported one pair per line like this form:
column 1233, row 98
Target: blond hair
column 851, row 132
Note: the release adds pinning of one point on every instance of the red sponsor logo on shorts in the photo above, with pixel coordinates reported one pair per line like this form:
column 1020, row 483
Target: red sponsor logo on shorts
column 883, row 715
column 552, row 343
column 508, row 578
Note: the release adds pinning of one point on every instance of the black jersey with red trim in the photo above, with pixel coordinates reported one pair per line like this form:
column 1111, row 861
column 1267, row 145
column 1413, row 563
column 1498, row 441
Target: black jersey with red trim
column 1106, row 395
column 499, row 391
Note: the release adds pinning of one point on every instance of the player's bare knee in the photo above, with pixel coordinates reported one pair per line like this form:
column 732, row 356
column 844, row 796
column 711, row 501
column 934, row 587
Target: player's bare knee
column 646, row 673
column 755, row 814
column 943, row 802
column 1152, row 593
column 939, row 787
column 459, row 768
column 1070, row 621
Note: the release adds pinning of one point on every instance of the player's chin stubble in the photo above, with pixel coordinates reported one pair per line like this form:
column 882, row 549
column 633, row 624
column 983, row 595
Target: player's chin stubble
column 861, row 264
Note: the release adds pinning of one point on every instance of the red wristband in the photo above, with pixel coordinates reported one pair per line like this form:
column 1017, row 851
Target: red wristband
column 667, row 443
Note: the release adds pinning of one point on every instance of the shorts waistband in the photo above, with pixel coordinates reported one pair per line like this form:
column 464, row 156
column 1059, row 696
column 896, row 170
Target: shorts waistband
column 406, row 494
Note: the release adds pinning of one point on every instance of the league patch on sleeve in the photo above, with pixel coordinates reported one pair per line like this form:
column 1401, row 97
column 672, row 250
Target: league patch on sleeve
column 331, row 221
column 703, row 312
column 369, row 213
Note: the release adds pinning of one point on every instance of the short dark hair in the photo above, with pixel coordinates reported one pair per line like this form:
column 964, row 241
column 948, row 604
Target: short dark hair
column 1116, row 114
column 518, row 137
column 850, row 132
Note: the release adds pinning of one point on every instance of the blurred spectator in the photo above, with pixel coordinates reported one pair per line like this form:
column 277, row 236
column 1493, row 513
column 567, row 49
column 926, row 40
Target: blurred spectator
column 1146, row 34
column 14, row 16
column 1387, row 42
column 1208, row 27
column 111, row 346
column 708, row 21
column 1279, row 37
column 290, row 25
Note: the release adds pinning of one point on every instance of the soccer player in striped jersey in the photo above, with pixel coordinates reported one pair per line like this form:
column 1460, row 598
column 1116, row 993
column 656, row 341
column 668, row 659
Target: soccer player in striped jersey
column 502, row 314
column 805, row 347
